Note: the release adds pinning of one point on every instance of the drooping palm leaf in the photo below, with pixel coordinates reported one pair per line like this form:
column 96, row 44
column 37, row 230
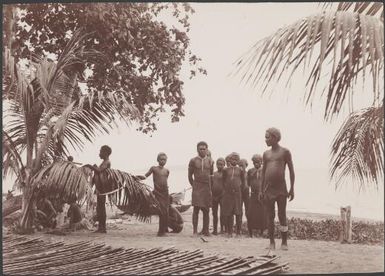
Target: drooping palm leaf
column 12, row 161
column 61, row 180
column 358, row 148
column 127, row 193
column 359, row 37
column 368, row 8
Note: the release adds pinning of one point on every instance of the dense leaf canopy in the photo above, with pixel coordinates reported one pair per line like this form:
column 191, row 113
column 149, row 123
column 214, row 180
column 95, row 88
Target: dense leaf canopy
column 142, row 57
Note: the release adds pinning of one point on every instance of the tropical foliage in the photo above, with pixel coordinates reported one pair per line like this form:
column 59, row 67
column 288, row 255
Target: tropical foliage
column 351, row 46
column 128, row 193
column 142, row 55
column 134, row 62
column 330, row 230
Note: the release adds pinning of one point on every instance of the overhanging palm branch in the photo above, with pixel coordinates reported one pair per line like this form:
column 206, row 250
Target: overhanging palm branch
column 12, row 161
column 368, row 8
column 351, row 41
column 358, row 148
column 127, row 193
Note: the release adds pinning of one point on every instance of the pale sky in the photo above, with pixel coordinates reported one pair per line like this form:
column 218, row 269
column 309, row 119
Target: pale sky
column 227, row 115
column 221, row 111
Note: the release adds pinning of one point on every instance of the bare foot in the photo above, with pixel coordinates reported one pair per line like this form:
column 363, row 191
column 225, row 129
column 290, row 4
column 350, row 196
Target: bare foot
column 271, row 246
column 284, row 247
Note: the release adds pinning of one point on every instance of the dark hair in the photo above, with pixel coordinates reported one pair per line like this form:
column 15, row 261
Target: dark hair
column 70, row 158
column 202, row 143
column 106, row 149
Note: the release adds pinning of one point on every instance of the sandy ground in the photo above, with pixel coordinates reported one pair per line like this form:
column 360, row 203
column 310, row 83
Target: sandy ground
column 303, row 256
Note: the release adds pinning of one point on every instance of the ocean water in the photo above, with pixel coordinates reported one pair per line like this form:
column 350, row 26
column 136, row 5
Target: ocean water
column 313, row 193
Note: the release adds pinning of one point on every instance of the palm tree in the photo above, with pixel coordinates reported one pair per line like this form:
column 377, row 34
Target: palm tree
column 351, row 42
column 45, row 112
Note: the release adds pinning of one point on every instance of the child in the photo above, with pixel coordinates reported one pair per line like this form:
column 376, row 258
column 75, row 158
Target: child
column 256, row 214
column 245, row 192
column 273, row 181
column 160, row 175
column 217, row 192
column 100, row 181
column 175, row 220
column 227, row 159
column 234, row 183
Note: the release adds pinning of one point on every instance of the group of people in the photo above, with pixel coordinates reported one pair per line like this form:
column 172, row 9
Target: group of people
column 229, row 188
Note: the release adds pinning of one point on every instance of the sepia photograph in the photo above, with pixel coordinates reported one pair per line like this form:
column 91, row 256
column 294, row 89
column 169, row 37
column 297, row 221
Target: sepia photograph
column 192, row 138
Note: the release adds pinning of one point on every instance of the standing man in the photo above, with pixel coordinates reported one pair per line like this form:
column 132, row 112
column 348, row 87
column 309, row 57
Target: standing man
column 100, row 180
column 200, row 169
column 275, row 161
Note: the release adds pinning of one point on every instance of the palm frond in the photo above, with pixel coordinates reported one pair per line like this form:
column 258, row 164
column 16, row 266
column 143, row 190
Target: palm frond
column 359, row 37
column 12, row 161
column 358, row 149
column 127, row 193
column 368, row 8
column 62, row 181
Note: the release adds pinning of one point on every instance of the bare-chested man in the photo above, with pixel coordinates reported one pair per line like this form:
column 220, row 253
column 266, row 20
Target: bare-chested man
column 273, row 177
column 200, row 169
column 105, row 152
column 160, row 175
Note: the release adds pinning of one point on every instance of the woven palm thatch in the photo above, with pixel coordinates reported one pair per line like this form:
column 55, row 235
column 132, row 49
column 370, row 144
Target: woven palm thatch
column 27, row 256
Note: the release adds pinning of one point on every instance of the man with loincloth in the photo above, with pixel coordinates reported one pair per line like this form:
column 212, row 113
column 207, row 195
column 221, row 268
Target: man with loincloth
column 256, row 216
column 200, row 169
column 160, row 175
column 273, row 181
column 100, row 182
column 234, row 183
column 217, row 191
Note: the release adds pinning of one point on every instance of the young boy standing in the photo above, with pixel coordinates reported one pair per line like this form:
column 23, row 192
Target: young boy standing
column 160, row 175
column 217, row 193
column 234, row 183
column 273, row 181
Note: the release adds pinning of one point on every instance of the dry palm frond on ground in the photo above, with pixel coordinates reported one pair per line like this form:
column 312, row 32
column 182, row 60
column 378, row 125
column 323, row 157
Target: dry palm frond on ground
column 33, row 256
